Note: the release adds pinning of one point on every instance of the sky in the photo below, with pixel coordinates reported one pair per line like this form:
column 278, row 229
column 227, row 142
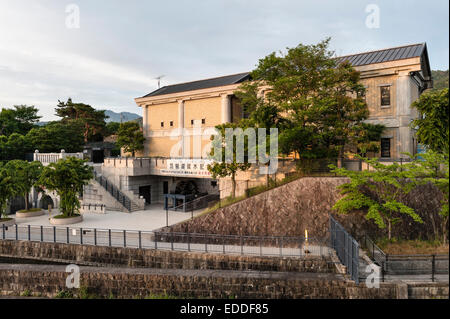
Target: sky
column 107, row 52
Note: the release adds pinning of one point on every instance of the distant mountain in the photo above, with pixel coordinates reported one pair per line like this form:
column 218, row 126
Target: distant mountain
column 121, row 117
column 440, row 79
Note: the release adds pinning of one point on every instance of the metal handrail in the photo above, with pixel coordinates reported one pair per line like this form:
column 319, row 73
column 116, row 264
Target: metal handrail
column 123, row 199
column 247, row 245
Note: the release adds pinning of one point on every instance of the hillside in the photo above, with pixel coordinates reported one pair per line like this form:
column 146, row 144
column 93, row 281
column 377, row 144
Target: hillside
column 121, row 117
column 440, row 79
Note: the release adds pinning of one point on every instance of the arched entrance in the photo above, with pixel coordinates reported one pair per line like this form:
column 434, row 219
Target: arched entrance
column 45, row 201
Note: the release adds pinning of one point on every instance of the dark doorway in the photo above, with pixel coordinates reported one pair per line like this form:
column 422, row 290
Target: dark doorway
column 98, row 156
column 16, row 204
column 165, row 187
column 145, row 191
column 45, row 201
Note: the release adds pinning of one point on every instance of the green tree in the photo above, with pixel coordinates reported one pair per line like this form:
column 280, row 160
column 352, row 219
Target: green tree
column 221, row 167
column 19, row 120
column 25, row 176
column 8, row 189
column 130, row 137
column 67, row 177
column 92, row 120
column 13, row 147
column 367, row 137
column 56, row 136
column 321, row 100
column 432, row 167
column 433, row 124
column 112, row 128
column 379, row 191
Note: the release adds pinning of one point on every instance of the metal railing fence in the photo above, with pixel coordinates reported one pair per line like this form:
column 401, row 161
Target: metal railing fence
column 209, row 243
column 429, row 265
column 346, row 247
column 114, row 191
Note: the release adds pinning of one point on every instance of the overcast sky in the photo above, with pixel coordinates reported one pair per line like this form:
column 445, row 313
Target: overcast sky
column 121, row 46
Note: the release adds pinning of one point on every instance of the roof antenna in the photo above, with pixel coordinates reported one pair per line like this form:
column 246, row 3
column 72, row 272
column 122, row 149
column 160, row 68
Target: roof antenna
column 159, row 80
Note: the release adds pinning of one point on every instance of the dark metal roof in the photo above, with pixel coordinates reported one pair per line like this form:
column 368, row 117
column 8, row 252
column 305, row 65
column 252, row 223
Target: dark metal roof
column 201, row 84
column 365, row 58
column 385, row 55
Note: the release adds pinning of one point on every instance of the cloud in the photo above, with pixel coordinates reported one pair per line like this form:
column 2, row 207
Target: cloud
column 121, row 47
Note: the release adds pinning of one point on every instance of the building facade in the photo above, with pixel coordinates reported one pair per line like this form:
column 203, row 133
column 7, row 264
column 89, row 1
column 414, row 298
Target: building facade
column 179, row 119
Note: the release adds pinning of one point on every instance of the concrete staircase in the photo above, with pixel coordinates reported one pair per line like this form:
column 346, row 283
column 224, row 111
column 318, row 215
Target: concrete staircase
column 102, row 191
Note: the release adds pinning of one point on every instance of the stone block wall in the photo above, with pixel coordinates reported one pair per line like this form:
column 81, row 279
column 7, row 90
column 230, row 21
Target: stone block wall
column 130, row 283
column 150, row 258
column 306, row 204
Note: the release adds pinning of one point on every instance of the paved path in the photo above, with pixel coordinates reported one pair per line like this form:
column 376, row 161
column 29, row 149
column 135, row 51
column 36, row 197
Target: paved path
column 154, row 217
column 181, row 272
column 136, row 239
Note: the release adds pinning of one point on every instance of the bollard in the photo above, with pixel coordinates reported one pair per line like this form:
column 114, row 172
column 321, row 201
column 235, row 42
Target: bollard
column 281, row 246
column 140, row 240
column 242, row 245
column 29, row 233
column 189, row 242
column 109, row 237
column 81, row 236
column 124, row 238
column 68, row 235
column 42, row 233
column 260, row 245
column 17, row 233
column 167, row 217
column 54, row 234
column 433, row 267
column 95, row 236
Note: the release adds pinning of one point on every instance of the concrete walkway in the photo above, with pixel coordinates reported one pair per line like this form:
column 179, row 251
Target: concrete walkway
column 154, row 217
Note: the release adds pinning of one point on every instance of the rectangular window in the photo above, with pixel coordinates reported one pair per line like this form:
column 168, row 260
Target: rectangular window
column 203, row 121
column 171, row 123
column 385, row 147
column 162, row 124
column 385, row 95
column 245, row 113
column 192, row 122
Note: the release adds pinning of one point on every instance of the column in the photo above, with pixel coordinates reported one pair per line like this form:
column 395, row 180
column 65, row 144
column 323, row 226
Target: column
column 226, row 109
column 181, row 125
column 404, row 114
column 145, row 129
column 145, row 120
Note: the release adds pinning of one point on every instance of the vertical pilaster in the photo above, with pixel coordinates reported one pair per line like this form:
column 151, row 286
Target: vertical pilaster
column 404, row 114
column 145, row 129
column 181, row 126
column 226, row 108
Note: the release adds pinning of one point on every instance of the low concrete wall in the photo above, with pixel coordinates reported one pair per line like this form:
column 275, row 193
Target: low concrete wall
column 150, row 258
column 130, row 283
column 48, row 280
column 428, row 291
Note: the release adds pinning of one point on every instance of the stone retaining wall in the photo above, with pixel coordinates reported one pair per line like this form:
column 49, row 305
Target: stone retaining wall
column 306, row 204
column 132, row 283
column 45, row 280
column 150, row 258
